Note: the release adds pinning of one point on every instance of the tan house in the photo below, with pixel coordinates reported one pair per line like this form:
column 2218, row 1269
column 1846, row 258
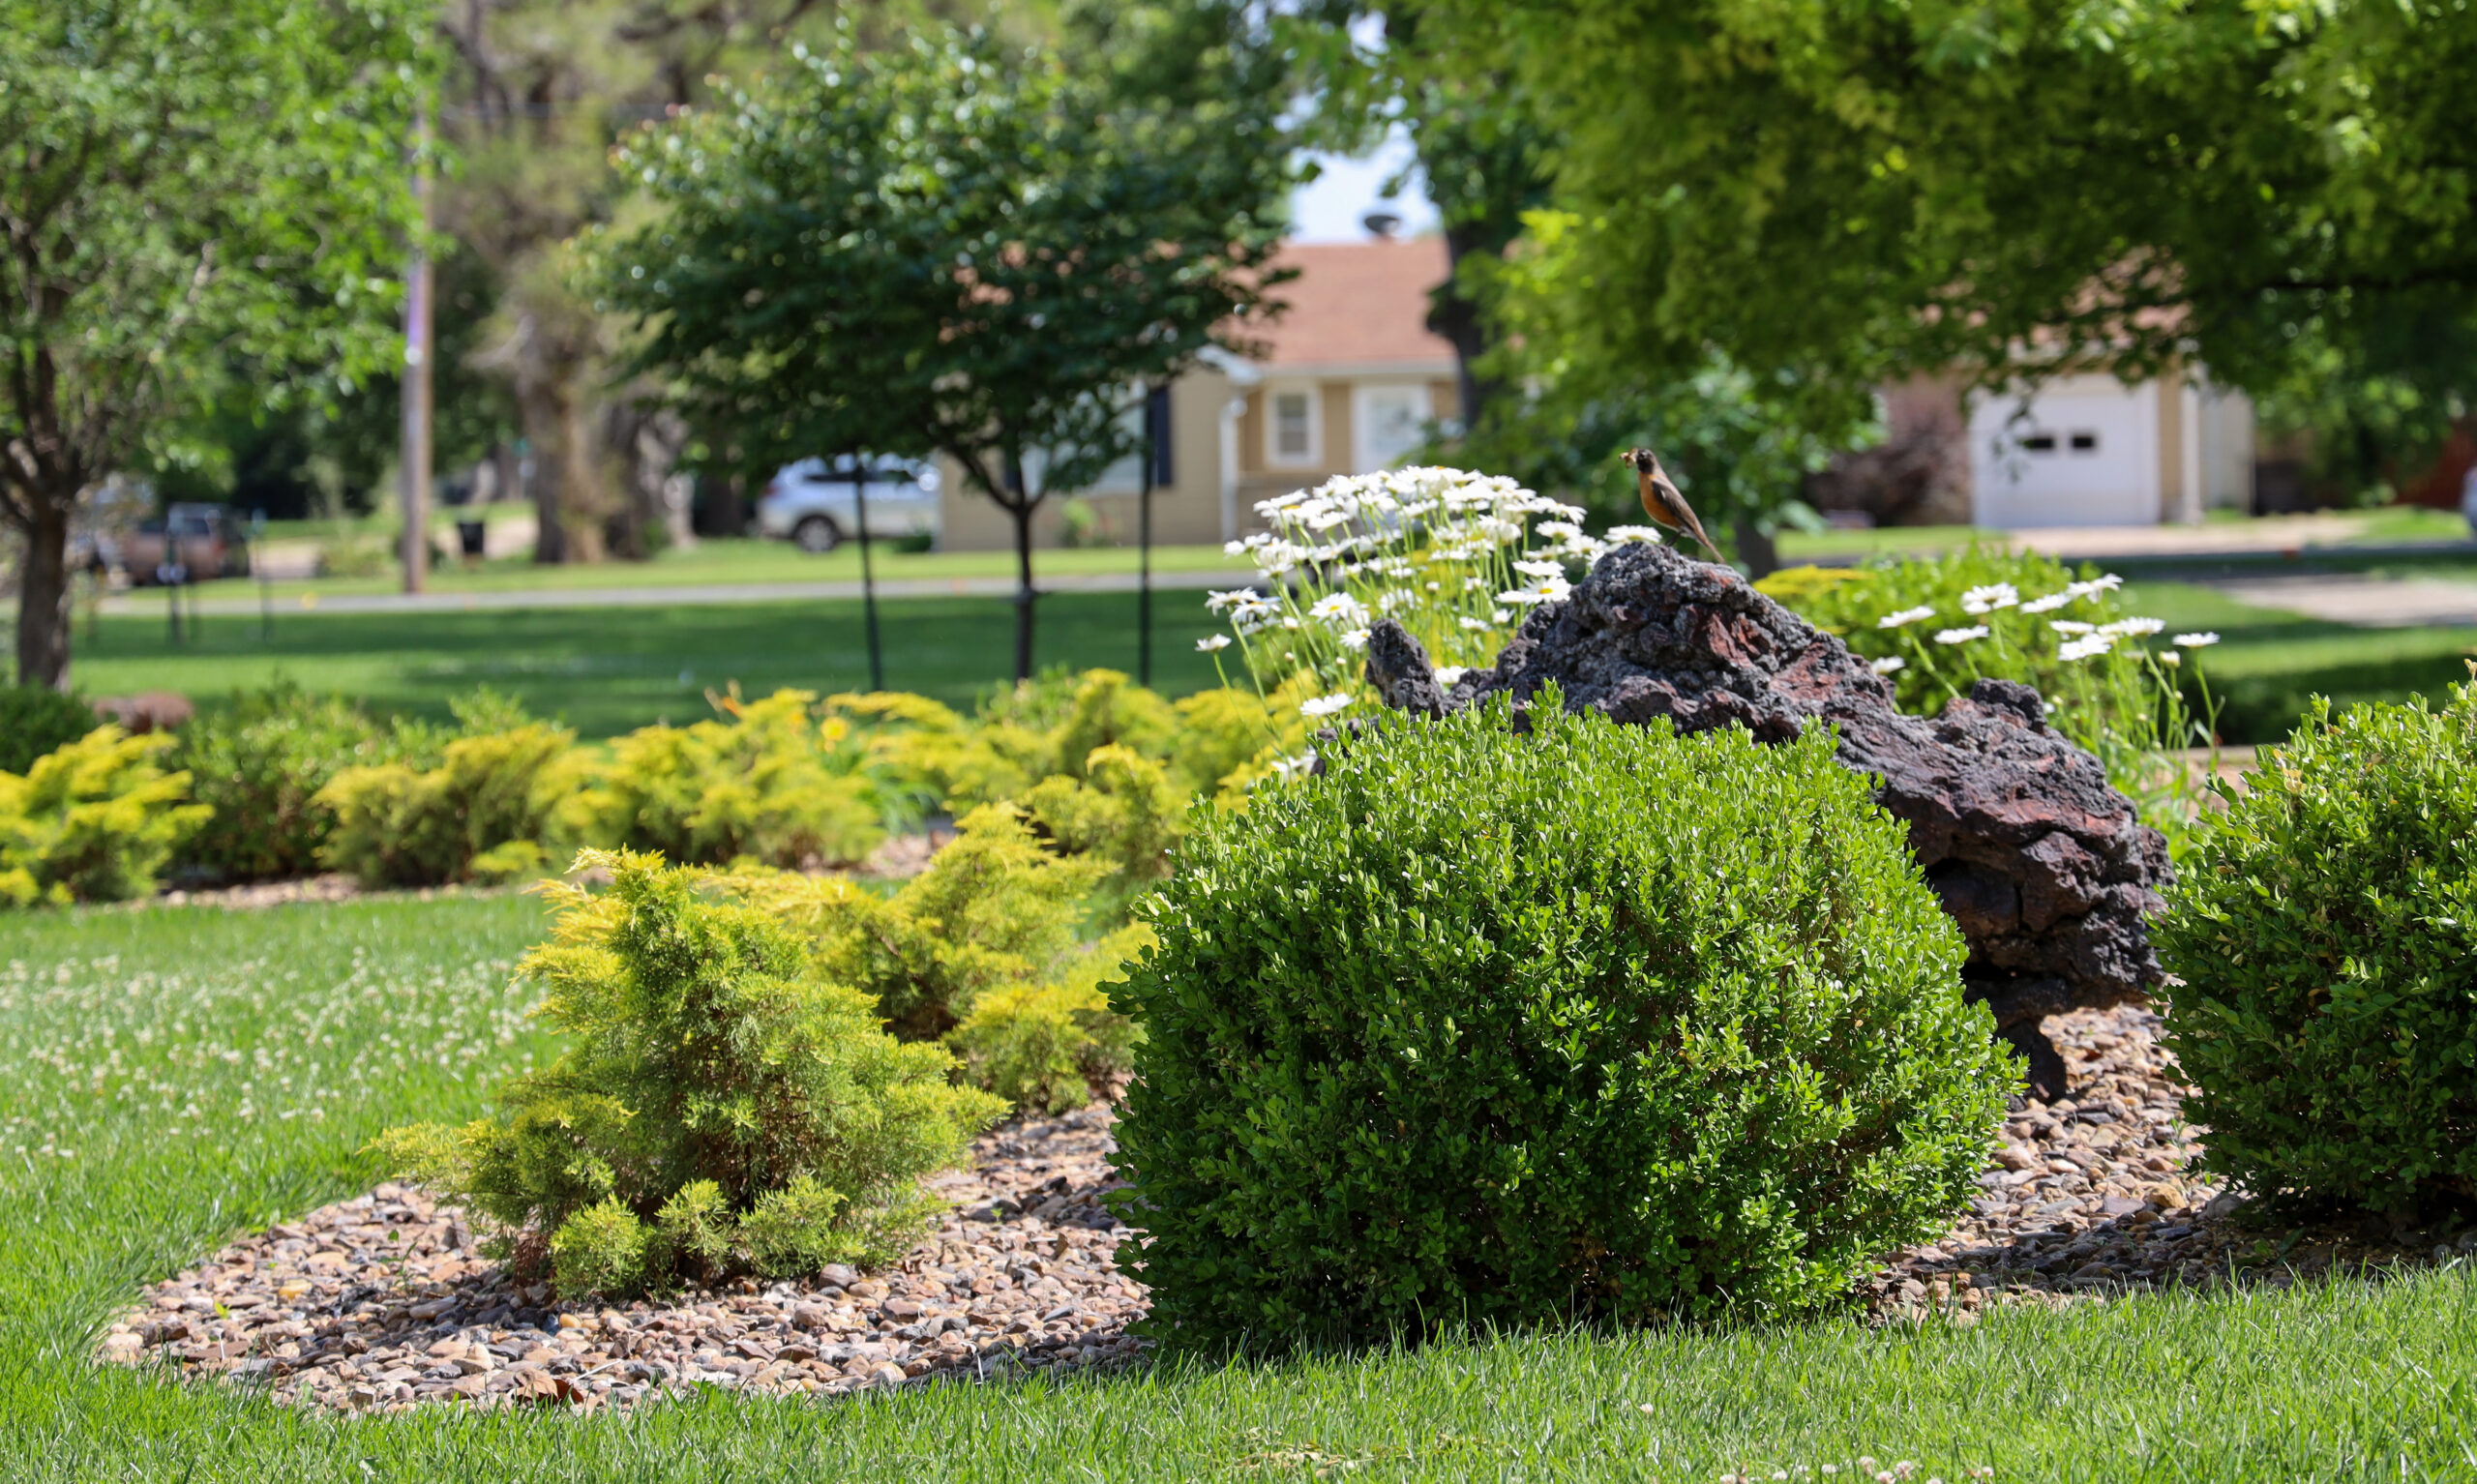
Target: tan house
column 1347, row 380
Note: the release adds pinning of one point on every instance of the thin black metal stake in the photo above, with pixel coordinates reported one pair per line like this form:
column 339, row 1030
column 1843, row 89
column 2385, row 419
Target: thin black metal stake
column 1144, row 546
column 868, row 572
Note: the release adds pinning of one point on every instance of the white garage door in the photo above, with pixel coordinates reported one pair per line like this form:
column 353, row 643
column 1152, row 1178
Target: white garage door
column 2084, row 452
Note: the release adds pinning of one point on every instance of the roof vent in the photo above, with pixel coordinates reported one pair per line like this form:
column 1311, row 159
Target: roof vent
column 1381, row 224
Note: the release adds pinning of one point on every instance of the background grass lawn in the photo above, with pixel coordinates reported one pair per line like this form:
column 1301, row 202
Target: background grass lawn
column 178, row 1074
column 607, row 670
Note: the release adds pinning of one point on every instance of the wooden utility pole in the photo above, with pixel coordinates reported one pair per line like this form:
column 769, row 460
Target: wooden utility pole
column 414, row 456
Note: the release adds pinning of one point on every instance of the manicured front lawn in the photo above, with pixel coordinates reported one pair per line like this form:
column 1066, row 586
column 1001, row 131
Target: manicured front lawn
column 731, row 561
column 607, row 670
column 177, row 1073
column 2268, row 665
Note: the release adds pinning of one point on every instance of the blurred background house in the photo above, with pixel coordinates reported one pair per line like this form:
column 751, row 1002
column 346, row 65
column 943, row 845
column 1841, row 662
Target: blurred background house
column 1349, row 379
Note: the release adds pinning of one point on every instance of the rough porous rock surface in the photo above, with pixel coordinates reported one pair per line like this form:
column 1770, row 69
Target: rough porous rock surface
column 385, row 1301
column 2095, row 1196
column 2045, row 867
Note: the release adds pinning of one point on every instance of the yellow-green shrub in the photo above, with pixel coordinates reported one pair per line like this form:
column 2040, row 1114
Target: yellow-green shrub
column 93, row 820
column 1124, row 811
column 489, row 811
column 723, row 1107
column 765, row 785
column 1054, row 1046
column 995, row 907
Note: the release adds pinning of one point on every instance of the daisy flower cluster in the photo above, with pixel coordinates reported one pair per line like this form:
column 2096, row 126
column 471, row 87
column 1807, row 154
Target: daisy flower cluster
column 1457, row 558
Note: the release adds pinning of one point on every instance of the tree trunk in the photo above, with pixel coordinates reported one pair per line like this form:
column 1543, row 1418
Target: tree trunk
column 536, row 407
column 1757, row 549
column 43, row 594
column 1021, row 508
column 1453, row 315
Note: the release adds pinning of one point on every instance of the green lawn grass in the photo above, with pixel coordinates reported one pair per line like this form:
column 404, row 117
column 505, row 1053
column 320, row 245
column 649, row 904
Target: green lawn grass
column 735, row 562
column 607, row 670
column 2268, row 665
column 178, row 1075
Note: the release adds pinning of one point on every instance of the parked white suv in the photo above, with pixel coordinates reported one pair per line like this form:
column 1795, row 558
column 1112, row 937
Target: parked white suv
column 815, row 502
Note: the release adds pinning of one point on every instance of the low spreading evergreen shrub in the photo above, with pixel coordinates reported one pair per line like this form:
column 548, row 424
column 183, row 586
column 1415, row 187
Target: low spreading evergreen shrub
column 2326, row 934
column 259, row 763
column 722, row 1107
column 1593, row 1021
column 35, row 720
column 1057, row 1045
column 765, row 785
column 995, row 909
column 92, row 821
column 493, row 809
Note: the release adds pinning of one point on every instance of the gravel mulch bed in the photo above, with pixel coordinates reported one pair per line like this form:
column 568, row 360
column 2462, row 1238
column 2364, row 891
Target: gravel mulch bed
column 386, row 1302
column 2094, row 1196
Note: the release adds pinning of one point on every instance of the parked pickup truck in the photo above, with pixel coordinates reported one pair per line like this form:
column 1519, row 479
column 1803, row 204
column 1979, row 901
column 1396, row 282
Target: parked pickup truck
column 185, row 544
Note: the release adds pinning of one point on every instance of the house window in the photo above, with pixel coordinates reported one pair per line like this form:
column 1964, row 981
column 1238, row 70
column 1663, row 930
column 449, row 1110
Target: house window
column 1391, row 421
column 2085, row 442
column 1290, row 427
column 2039, row 443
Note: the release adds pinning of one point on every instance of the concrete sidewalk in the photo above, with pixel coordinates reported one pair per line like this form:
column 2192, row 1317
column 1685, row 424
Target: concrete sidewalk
column 154, row 601
column 2364, row 602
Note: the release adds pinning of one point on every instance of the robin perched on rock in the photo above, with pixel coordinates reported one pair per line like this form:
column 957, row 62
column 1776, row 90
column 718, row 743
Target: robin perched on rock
column 1660, row 500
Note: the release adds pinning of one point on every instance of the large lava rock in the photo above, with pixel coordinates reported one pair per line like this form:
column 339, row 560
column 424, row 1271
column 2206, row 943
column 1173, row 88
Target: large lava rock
column 2042, row 863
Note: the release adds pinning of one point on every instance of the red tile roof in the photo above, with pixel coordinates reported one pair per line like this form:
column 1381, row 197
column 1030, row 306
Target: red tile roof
column 1357, row 304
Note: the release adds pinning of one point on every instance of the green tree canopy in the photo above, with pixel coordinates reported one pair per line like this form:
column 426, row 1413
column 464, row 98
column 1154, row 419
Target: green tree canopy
column 1843, row 191
column 184, row 188
column 964, row 247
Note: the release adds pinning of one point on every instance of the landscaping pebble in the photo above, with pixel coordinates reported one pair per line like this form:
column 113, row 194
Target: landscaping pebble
column 385, row 1301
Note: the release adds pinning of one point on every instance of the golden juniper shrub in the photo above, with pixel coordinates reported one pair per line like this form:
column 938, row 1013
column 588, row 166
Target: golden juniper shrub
column 491, row 809
column 995, row 907
column 1124, row 811
column 723, row 1106
column 93, row 820
column 1055, row 1045
column 768, row 783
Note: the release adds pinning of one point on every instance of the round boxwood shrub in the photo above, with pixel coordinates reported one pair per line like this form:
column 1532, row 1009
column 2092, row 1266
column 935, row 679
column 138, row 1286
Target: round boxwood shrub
column 1593, row 1021
column 2326, row 935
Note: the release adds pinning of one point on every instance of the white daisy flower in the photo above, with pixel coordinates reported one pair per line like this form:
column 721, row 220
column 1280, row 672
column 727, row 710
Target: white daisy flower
column 2089, row 648
column 1889, row 665
column 1217, row 602
column 1986, row 600
column 1648, row 535
column 1475, row 625
column 1355, row 638
column 1960, row 636
column 2124, row 628
column 1903, row 618
column 2094, row 586
column 2195, row 641
column 2171, row 657
column 2069, row 626
column 1211, row 642
column 2046, row 605
column 1540, row 569
column 1323, row 705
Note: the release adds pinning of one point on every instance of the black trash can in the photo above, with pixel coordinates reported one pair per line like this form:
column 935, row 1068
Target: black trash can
column 469, row 536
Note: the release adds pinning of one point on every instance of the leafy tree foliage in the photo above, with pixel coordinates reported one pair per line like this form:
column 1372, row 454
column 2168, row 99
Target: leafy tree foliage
column 1842, row 189
column 962, row 248
column 182, row 190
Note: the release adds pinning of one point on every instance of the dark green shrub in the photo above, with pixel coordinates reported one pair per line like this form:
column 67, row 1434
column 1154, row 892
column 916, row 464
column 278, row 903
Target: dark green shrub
column 35, row 720
column 1595, row 1019
column 721, row 1109
column 2326, row 934
column 260, row 763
